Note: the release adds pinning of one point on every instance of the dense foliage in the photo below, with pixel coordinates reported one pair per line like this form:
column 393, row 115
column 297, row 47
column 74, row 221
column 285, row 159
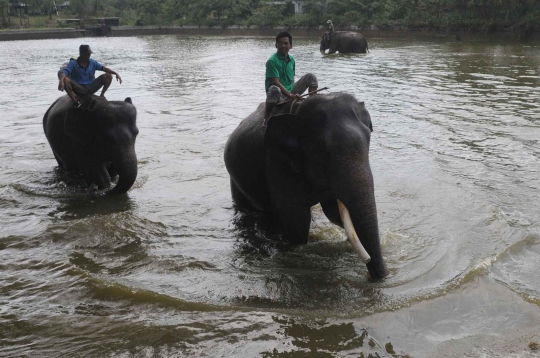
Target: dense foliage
column 486, row 15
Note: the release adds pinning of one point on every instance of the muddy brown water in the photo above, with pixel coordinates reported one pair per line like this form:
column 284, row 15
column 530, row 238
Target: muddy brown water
column 171, row 270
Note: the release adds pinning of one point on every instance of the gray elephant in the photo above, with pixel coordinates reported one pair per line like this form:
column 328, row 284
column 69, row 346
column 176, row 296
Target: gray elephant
column 343, row 42
column 96, row 139
column 318, row 154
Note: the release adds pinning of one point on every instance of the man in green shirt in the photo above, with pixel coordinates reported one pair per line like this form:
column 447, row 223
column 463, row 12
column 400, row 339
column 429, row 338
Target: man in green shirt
column 280, row 71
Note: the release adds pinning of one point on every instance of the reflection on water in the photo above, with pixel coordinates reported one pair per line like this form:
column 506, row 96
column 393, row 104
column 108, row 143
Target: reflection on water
column 172, row 269
column 319, row 339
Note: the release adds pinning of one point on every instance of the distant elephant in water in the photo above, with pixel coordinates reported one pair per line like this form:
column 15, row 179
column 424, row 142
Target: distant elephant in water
column 96, row 139
column 319, row 154
column 343, row 42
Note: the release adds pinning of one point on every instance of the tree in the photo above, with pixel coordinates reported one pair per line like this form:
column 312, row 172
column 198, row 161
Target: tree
column 316, row 11
column 4, row 15
column 239, row 10
column 81, row 7
column 149, row 10
column 267, row 15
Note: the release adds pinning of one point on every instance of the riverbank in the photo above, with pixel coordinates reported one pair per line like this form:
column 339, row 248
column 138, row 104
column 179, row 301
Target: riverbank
column 41, row 34
column 466, row 34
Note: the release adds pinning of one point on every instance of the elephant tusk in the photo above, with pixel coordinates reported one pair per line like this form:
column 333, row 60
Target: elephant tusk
column 351, row 233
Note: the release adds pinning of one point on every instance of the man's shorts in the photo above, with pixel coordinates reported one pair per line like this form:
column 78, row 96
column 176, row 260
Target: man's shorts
column 274, row 94
column 83, row 90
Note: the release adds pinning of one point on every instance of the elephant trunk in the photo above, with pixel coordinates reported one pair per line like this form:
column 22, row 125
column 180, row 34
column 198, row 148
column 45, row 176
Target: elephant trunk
column 364, row 220
column 323, row 46
column 360, row 204
column 126, row 165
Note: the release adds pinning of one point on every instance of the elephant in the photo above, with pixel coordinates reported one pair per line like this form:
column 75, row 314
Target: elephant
column 318, row 153
column 343, row 42
column 96, row 139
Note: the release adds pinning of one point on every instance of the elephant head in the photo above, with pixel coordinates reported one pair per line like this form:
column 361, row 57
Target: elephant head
column 325, row 42
column 103, row 139
column 320, row 154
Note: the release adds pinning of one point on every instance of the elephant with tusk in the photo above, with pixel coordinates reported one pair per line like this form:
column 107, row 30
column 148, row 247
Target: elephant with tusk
column 316, row 153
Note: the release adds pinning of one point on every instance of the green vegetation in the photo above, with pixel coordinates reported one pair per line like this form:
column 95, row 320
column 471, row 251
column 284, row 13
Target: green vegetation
column 474, row 15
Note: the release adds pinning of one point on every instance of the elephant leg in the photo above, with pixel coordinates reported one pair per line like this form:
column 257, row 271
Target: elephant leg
column 296, row 221
column 359, row 46
column 356, row 47
column 334, row 46
column 331, row 211
column 362, row 45
column 292, row 207
column 60, row 164
column 239, row 198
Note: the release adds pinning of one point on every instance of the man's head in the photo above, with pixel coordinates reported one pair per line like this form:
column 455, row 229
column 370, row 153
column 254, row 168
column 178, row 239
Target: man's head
column 85, row 51
column 284, row 42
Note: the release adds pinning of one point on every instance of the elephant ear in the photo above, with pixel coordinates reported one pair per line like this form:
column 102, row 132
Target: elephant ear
column 365, row 117
column 283, row 141
column 79, row 124
column 283, row 132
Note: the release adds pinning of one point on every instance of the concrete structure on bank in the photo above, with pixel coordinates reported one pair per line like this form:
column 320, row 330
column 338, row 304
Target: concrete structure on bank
column 298, row 7
column 13, row 35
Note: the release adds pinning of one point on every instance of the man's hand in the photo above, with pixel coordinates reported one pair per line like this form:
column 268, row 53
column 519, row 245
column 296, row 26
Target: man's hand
column 112, row 72
column 294, row 95
column 61, row 86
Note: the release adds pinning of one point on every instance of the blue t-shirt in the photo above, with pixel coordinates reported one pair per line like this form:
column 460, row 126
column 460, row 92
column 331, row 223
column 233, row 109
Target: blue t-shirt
column 81, row 75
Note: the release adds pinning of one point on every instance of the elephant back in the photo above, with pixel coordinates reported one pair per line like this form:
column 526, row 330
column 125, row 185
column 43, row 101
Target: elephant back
column 288, row 107
column 90, row 102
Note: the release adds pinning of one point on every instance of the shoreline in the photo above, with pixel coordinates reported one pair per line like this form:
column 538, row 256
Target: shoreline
column 370, row 32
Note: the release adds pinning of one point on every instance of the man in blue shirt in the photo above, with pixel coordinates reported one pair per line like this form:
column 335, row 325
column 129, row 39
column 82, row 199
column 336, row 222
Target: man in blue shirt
column 280, row 72
column 78, row 78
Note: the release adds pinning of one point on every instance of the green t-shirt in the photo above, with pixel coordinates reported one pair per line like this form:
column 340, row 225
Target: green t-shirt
column 278, row 66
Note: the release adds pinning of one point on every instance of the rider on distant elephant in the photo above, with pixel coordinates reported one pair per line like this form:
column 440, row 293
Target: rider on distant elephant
column 330, row 26
column 280, row 71
column 78, row 77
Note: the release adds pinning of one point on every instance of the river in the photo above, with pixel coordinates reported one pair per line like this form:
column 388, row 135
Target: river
column 172, row 270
